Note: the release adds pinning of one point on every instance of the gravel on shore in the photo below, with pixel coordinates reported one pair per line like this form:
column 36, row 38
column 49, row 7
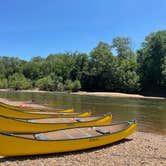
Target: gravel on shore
column 138, row 149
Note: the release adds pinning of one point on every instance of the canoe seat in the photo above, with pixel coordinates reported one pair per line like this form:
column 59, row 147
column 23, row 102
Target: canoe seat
column 80, row 120
column 41, row 137
column 102, row 131
column 31, row 120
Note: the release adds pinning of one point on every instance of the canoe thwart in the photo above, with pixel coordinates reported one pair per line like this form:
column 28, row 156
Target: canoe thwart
column 41, row 137
column 102, row 131
column 80, row 120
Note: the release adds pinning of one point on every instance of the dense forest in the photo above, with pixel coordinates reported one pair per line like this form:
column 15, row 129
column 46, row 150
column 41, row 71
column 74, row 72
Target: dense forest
column 108, row 67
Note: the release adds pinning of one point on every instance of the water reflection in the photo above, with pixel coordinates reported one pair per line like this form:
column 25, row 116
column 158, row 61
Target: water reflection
column 150, row 113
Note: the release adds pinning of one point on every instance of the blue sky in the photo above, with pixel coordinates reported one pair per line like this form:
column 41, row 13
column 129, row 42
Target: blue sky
column 39, row 27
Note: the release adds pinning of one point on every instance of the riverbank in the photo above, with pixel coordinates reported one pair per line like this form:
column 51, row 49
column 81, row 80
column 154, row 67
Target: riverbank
column 102, row 94
column 138, row 149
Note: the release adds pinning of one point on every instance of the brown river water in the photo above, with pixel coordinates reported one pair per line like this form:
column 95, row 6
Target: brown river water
column 149, row 113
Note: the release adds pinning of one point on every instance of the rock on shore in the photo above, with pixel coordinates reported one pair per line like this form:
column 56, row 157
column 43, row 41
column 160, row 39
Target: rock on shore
column 138, row 149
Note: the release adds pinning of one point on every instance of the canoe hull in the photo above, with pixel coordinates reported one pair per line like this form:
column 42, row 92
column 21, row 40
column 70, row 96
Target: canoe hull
column 15, row 146
column 14, row 125
column 17, row 108
column 26, row 115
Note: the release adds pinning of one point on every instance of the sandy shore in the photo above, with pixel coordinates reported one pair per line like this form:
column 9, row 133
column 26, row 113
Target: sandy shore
column 138, row 149
column 103, row 94
column 113, row 94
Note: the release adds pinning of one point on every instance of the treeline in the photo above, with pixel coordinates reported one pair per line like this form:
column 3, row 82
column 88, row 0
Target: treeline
column 114, row 67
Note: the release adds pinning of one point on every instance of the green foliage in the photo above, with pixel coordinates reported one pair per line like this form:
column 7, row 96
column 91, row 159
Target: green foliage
column 103, row 69
column 72, row 85
column 76, row 85
column 45, row 83
column 127, row 77
column 150, row 58
column 10, row 65
column 80, row 66
column 3, row 83
column 163, row 72
column 60, row 87
column 68, row 85
column 60, row 64
column 122, row 46
column 18, row 82
column 100, row 70
column 101, row 56
column 32, row 70
column 113, row 73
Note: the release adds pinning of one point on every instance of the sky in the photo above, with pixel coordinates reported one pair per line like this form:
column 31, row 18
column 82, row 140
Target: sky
column 39, row 27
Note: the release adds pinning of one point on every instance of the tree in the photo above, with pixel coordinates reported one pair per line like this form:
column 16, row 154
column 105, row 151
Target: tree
column 37, row 59
column 45, row 83
column 10, row 65
column 163, row 72
column 18, row 82
column 80, row 65
column 3, row 83
column 100, row 68
column 127, row 77
column 72, row 85
column 32, row 70
column 76, row 85
column 150, row 58
column 122, row 46
column 61, row 65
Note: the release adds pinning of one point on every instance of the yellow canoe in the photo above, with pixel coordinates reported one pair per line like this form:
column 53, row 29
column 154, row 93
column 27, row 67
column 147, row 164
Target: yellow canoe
column 63, row 140
column 46, row 124
column 17, row 108
column 27, row 115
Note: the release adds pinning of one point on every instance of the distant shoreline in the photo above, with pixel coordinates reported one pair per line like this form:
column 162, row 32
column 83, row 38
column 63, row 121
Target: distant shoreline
column 115, row 94
column 101, row 94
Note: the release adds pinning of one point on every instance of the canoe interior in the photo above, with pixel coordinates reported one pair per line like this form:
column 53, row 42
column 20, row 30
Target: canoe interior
column 63, row 120
column 76, row 133
column 53, row 113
